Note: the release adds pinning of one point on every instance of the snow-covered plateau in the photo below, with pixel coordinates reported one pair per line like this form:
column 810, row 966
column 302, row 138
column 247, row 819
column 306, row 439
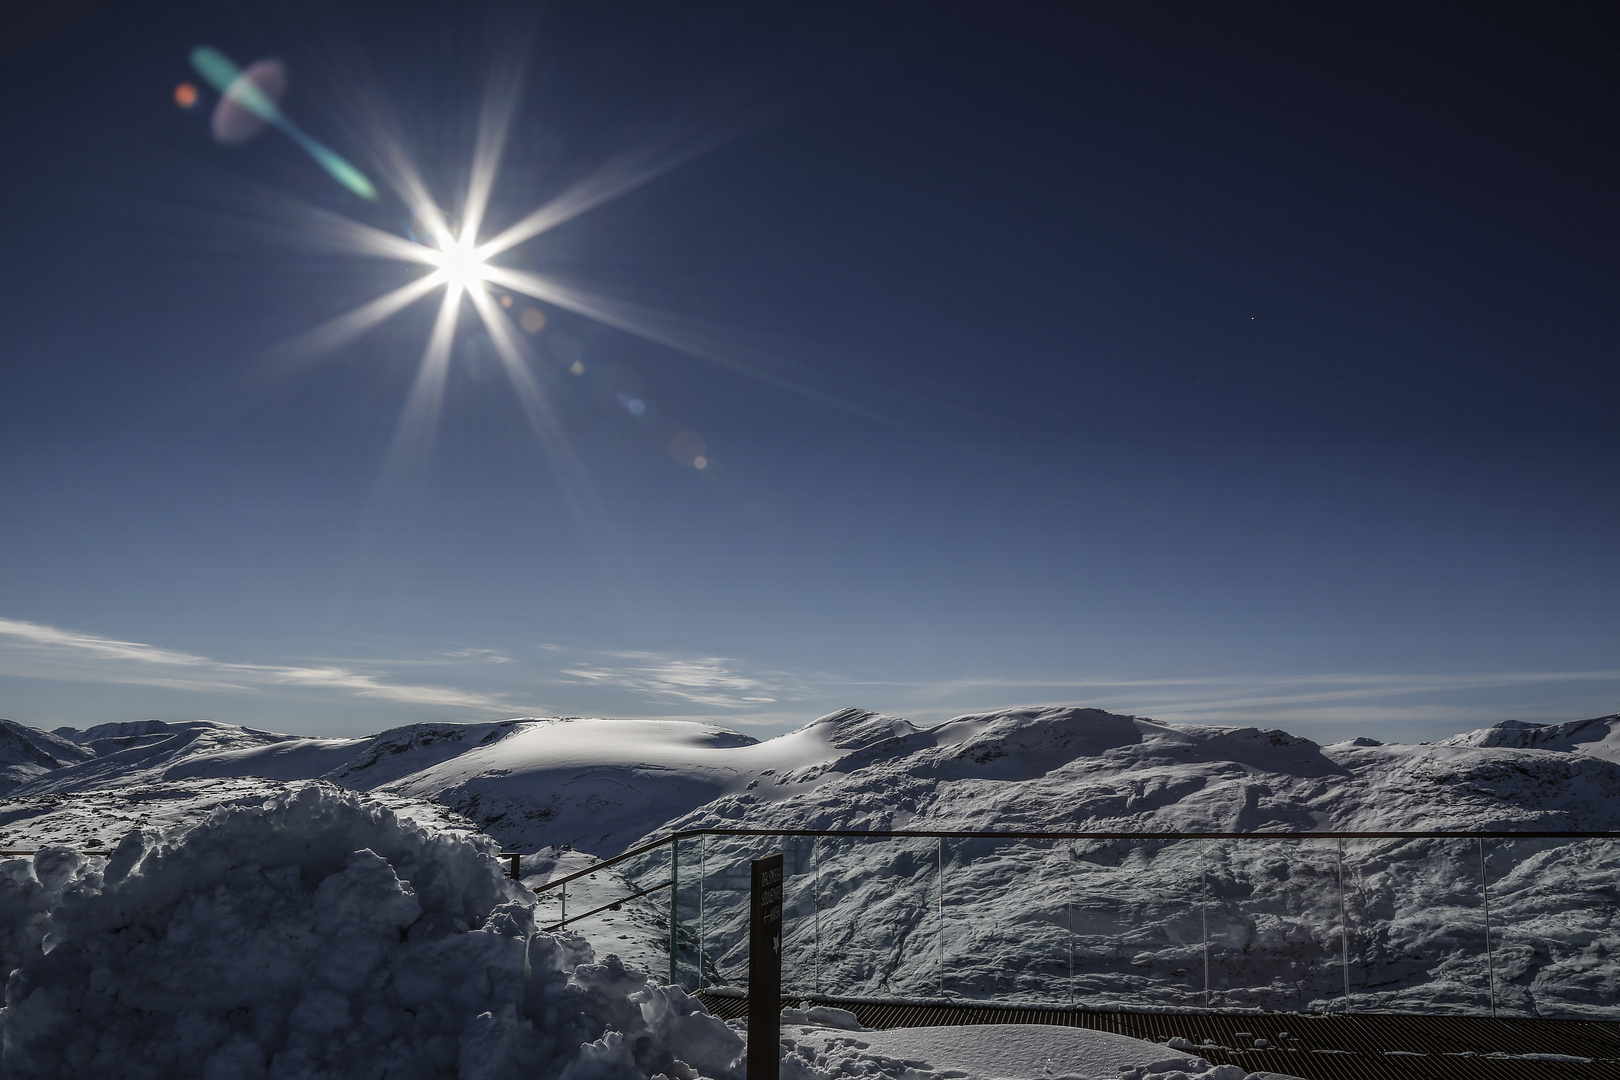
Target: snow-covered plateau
column 286, row 906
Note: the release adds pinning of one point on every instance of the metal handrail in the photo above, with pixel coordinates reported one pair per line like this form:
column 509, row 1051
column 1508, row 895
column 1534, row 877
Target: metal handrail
column 974, row 834
column 612, row 905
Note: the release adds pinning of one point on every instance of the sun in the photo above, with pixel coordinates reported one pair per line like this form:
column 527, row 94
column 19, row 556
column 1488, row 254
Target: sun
column 464, row 268
column 461, row 264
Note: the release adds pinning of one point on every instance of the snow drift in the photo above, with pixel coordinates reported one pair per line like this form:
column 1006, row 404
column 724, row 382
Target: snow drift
column 319, row 935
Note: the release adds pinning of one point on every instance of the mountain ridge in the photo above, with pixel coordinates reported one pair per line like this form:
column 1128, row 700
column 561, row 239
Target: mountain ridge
column 602, row 785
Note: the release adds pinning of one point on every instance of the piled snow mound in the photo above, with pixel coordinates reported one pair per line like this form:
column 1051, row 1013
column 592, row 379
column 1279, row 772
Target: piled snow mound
column 985, row 1051
column 97, row 820
column 319, row 935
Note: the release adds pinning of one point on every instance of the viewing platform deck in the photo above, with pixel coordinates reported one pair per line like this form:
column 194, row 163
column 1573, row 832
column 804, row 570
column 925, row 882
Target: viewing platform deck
column 1370, row 1046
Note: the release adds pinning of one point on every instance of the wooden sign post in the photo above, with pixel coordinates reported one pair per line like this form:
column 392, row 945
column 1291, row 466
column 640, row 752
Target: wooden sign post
column 765, row 970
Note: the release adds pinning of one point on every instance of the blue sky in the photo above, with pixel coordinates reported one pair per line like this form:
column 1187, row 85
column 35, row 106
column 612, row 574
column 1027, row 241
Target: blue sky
column 1243, row 366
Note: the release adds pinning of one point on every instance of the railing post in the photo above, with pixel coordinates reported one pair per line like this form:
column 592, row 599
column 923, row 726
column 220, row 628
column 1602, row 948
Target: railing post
column 767, row 890
column 1485, row 897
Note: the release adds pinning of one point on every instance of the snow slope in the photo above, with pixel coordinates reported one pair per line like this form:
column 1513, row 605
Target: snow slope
column 600, row 785
column 1599, row 736
column 149, row 751
column 316, row 935
column 1077, row 769
column 1279, row 924
column 594, row 784
column 26, row 753
column 1276, row 924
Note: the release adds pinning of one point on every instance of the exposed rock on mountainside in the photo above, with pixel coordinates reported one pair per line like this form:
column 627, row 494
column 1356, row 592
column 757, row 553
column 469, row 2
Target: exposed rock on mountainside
column 26, row 753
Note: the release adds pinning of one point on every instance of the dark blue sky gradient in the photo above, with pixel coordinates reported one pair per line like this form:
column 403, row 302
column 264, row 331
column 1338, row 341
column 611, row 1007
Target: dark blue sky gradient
column 1235, row 363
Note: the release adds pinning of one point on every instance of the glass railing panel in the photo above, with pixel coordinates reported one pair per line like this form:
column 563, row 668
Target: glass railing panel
column 1006, row 921
column 1418, row 927
column 1273, row 913
column 801, row 968
column 688, row 903
column 878, row 904
column 1313, row 905
column 1137, row 926
column 1555, row 927
column 1258, row 923
column 724, row 879
column 603, row 905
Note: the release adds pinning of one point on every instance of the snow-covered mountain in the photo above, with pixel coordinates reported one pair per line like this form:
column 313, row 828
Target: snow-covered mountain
column 1085, row 769
column 26, row 753
column 601, row 785
column 1269, row 923
column 596, row 785
column 1599, row 736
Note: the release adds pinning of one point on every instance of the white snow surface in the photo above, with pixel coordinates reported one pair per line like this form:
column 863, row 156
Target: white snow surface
column 318, row 936
column 601, row 785
column 1263, row 924
column 96, row 820
column 986, row 1052
column 26, row 753
column 1599, row 736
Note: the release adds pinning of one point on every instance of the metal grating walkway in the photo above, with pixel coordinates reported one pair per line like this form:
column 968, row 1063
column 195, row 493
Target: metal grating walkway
column 1365, row 1046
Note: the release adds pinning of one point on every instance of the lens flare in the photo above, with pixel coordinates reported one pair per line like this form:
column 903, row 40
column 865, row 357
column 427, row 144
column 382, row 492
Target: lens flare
column 460, row 266
column 185, row 95
column 249, row 102
column 688, row 448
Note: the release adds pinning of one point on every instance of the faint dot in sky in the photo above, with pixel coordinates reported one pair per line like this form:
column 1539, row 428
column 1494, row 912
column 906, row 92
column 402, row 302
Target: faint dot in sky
column 185, row 95
column 577, row 367
column 533, row 320
column 688, row 448
column 566, row 347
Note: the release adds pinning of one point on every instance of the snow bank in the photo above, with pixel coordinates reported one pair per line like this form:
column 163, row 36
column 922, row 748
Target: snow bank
column 95, row 820
column 319, row 936
column 982, row 1052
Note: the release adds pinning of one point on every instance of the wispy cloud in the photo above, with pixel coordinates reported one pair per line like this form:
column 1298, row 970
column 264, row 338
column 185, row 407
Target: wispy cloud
column 713, row 681
column 487, row 656
column 1328, row 697
column 31, row 650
